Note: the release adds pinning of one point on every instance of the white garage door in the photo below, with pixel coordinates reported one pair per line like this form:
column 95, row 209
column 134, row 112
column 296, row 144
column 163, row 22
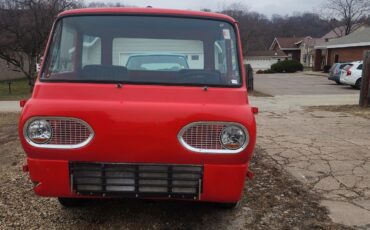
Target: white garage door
column 260, row 64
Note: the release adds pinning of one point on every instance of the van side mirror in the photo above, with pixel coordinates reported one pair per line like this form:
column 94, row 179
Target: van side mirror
column 249, row 77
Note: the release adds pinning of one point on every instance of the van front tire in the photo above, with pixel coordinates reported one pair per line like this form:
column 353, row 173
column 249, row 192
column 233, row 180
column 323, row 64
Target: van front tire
column 227, row 205
column 71, row 202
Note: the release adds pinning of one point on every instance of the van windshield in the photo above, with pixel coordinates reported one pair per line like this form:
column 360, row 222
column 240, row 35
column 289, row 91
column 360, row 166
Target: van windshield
column 143, row 50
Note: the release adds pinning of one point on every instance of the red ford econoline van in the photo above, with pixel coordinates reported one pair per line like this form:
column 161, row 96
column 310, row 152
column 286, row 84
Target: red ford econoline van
column 143, row 103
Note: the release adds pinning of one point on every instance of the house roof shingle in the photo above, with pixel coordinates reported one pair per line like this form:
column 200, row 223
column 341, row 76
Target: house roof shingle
column 340, row 31
column 355, row 39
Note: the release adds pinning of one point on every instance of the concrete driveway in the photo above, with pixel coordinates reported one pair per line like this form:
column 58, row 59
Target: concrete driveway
column 328, row 151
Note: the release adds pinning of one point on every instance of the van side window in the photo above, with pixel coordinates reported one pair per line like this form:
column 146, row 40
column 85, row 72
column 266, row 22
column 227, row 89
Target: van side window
column 91, row 50
column 64, row 51
column 221, row 48
column 220, row 56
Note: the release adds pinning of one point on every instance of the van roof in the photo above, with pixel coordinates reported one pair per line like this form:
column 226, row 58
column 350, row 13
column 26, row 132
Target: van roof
column 147, row 11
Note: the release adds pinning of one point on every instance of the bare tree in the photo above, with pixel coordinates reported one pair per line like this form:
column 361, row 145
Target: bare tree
column 105, row 4
column 349, row 12
column 235, row 10
column 206, row 10
column 24, row 29
column 257, row 31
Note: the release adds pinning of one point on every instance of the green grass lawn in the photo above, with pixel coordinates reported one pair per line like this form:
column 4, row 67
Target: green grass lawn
column 20, row 90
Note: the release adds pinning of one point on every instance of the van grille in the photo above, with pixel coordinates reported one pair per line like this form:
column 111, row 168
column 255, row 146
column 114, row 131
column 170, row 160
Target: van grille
column 204, row 136
column 68, row 132
column 136, row 180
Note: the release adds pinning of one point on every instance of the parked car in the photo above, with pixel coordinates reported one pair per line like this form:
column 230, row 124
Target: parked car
column 352, row 74
column 96, row 128
column 335, row 71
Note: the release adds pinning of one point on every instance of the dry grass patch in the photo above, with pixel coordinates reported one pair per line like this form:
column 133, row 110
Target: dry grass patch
column 349, row 109
column 19, row 87
column 9, row 119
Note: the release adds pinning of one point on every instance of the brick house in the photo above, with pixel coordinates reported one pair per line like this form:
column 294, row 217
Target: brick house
column 290, row 46
column 297, row 48
column 345, row 49
column 307, row 46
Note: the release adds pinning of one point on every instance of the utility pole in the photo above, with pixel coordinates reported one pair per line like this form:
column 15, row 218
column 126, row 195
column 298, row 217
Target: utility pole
column 365, row 82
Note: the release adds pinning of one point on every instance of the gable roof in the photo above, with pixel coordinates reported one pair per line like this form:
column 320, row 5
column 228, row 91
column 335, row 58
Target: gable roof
column 266, row 53
column 340, row 31
column 287, row 43
column 355, row 39
column 311, row 42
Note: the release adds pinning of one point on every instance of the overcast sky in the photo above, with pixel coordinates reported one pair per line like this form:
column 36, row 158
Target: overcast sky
column 268, row 7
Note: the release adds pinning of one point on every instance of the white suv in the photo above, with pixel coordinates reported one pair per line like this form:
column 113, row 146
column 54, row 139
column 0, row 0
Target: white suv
column 352, row 74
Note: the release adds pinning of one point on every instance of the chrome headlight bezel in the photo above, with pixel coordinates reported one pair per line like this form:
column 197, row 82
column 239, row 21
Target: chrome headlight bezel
column 48, row 145
column 214, row 151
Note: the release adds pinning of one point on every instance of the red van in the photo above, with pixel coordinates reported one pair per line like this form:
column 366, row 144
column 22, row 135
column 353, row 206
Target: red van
column 143, row 103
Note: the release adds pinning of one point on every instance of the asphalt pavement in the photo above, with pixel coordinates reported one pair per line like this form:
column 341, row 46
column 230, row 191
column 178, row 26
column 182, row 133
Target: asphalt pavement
column 299, row 84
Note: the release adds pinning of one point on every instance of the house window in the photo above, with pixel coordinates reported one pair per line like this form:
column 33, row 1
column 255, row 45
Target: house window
column 336, row 58
column 194, row 57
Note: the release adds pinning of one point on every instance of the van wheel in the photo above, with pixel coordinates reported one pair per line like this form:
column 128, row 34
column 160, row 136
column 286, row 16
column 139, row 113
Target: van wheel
column 358, row 84
column 227, row 205
column 71, row 202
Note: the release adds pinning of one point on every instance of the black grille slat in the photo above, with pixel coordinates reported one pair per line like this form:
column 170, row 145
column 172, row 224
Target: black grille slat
column 183, row 172
column 143, row 185
column 144, row 178
column 136, row 180
column 136, row 176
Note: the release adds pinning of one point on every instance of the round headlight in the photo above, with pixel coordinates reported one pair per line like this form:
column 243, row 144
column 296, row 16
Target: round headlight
column 39, row 131
column 233, row 137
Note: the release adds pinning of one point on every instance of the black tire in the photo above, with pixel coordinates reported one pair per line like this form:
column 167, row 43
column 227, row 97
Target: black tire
column 71, row 202
column 227, row 205
column 358, row 84
column 338, row 82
